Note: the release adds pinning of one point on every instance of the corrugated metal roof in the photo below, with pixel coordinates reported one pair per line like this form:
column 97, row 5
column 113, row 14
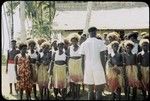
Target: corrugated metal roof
column 135, row 18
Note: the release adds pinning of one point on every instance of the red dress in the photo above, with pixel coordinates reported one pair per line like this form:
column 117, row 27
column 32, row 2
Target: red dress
column 24, row 72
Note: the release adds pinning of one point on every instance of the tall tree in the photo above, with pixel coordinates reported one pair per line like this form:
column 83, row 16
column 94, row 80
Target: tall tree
column 22, row 21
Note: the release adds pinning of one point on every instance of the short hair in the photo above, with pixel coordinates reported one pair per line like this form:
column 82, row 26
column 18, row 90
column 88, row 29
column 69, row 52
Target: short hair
column 28, row 38
column 80, row 32
column 143, row 33
column 74, row 36
column 114, row 42
column 21, row 45
column 105, row 33
column 99, row 36
column 66, row 41
column 128, row 42
column 41, row 40
column 31, row 41
column 133, row 34
column 45, row 45
column 60, row 43
column 146, row 36
column 13, row 41
column 143, row 41
column 113, row 35
column 91, row 29
column 83, row 35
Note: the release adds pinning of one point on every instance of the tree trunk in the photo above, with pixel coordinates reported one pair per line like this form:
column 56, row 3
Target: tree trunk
column 88, row 17
column 22, row 21
column 50, row 18
column 12, row 26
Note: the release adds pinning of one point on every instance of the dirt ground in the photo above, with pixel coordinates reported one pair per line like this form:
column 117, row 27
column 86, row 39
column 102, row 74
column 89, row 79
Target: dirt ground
column 14, row 96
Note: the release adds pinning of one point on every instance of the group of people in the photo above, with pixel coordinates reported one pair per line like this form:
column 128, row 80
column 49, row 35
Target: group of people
column 118, row 63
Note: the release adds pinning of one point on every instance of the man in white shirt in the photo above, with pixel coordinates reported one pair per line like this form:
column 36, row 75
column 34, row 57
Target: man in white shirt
column 91, row 50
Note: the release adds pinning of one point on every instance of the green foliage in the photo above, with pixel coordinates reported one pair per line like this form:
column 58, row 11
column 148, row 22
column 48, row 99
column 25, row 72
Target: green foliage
column 40, row 12
column 4, row 59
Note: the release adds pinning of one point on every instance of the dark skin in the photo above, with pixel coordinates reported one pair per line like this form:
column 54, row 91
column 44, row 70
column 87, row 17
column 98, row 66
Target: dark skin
column 143, row 60
column 129, row 59
column 134, row 39
column 74, row 88
column 32, row 47
column 56, row 90
column 23, row 53
column 116, row 61
column 111, row 38
column 82, row 39
column 11, row 55
column 54, row 44
column 98, row 88
column 117, row 58
column 45, row 60
column 74, row 42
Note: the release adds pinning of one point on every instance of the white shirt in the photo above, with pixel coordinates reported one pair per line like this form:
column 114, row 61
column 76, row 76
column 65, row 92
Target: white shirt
column 61, row 57
column 110, row 50
column 91, row 48
column 74, row 53
column 135, row 48
column 32, row 55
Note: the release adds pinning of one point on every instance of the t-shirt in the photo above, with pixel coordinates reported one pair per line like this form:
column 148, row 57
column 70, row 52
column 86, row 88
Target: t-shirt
column 91, row 48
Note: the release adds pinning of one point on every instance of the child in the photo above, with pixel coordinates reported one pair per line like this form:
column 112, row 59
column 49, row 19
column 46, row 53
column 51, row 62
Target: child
column 75, row 69
column 143, row 63
column 133, row 37
column 10, row 68
column 114, row 74
column 23, row 71
column 33, row 54
column 58, row 71
column 131, row 70
column 43, row 60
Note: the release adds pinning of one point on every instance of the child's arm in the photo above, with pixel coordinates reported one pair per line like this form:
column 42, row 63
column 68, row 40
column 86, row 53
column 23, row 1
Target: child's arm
column 38, row 60
column 16, row 61
column 138, row 60
column 109, row 60
column 83, row 63
column 31, row 69
column 52, row 64
column 67, row 57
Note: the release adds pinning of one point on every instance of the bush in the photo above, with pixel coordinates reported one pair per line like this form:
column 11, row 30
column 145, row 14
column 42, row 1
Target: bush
column 4, row 59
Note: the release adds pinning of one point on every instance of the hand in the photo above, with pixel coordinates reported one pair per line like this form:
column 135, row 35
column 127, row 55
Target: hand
column 18, row 77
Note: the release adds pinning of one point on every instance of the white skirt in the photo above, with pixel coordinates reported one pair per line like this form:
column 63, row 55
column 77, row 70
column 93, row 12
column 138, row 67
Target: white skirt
column 11, row 73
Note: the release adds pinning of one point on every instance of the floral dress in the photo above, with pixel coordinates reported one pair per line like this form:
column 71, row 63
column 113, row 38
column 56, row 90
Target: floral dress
column 24, row 72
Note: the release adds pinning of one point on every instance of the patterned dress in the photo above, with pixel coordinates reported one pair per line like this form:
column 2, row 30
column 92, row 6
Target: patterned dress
column 23, row 70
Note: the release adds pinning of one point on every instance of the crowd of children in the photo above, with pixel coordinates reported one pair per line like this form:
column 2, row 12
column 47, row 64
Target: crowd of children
column 58, row 66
